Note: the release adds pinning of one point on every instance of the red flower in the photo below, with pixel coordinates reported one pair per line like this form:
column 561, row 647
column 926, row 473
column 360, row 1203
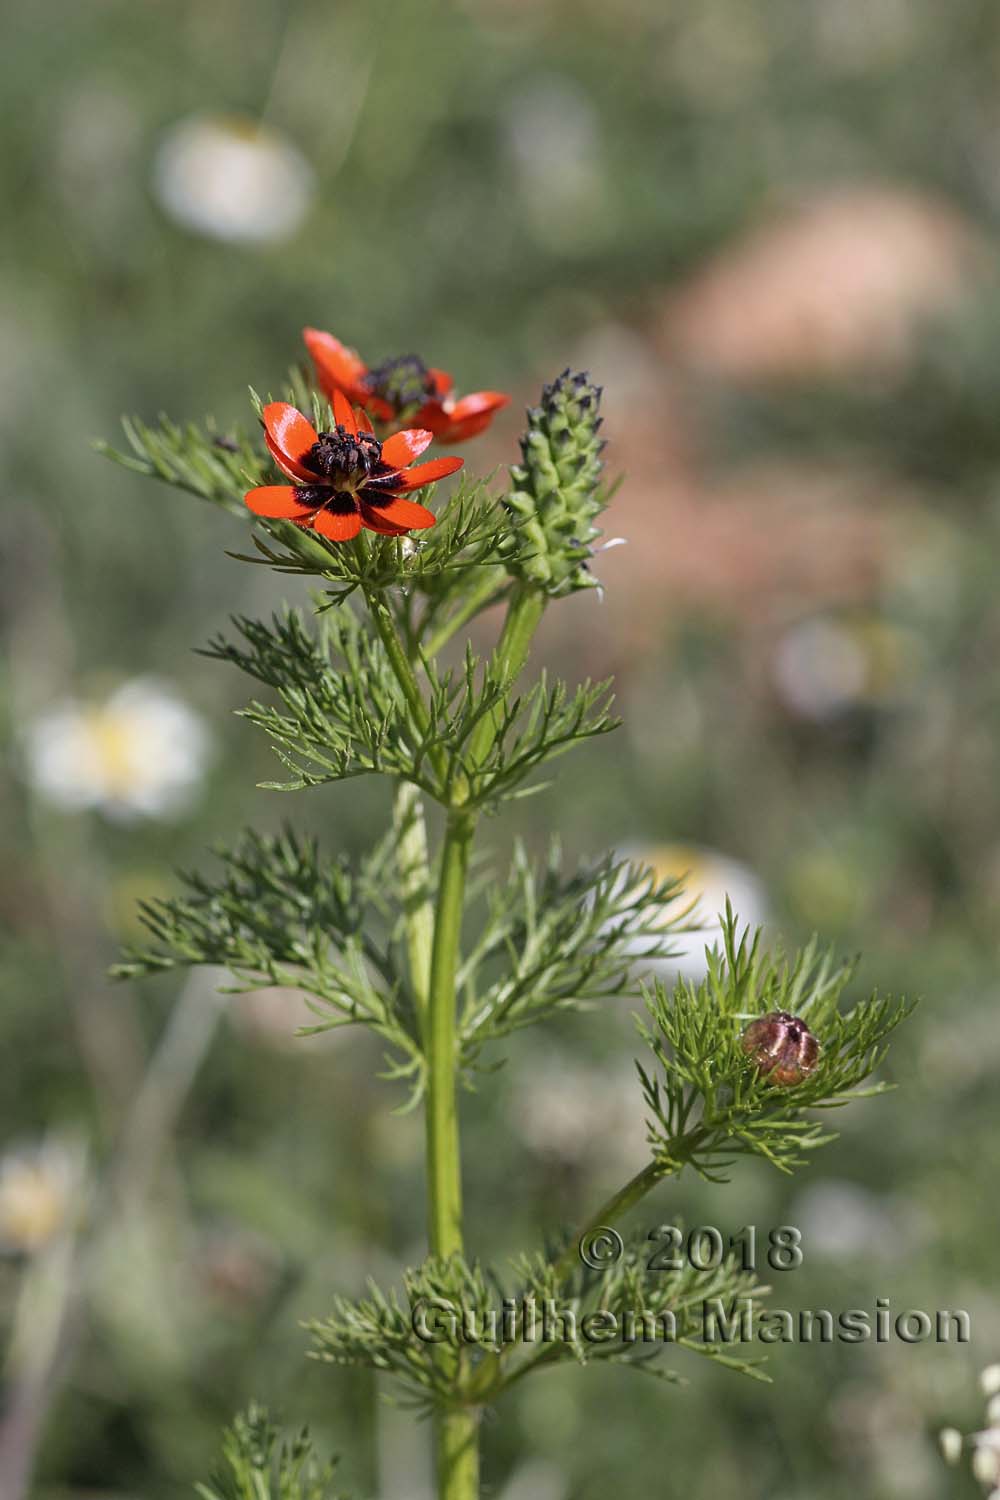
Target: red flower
column 345, row 479
column 403, row 389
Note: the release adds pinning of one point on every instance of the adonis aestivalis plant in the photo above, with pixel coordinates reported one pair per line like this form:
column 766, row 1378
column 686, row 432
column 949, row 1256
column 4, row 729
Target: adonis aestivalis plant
column 371, row 673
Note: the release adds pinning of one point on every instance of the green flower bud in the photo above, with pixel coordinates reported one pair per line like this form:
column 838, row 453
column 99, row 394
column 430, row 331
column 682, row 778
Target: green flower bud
column 556, row 490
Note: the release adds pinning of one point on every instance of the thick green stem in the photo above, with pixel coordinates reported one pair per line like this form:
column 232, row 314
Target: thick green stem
column 456, row 1432
column 457, row 1439
column 443, row 1165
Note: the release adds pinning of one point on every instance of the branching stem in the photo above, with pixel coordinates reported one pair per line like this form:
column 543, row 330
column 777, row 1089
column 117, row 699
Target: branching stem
column 456, row 1430
column 681, row 1150
column 607, row 1215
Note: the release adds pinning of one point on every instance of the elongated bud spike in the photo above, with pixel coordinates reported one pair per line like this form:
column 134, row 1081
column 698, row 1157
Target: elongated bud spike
column 556, row 489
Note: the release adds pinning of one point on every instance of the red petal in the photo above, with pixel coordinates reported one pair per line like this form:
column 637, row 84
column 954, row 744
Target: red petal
column 460, row 432
column 373, row 520
column 433, row 416
column 289, row 466
column 337, row 367
column 472, row 415
column 364, row 422
column 343, row 412
column 279, row 501
column 478, row 403
column 291, row 436
column 437, row 468
column 406, row 514
column 337, row 528
column 403, row 447
column 442, row 381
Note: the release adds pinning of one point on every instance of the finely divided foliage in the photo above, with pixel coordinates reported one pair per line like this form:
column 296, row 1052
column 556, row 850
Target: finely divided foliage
column 439, row 965
column 707, row 1103
column 283, row 915
column 554, row 941
column 258, row 1465
column 458, row 1336
column 343, row 713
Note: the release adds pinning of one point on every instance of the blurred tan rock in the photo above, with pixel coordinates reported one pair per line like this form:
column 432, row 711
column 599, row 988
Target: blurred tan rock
column 840, row 283
column 755, row 547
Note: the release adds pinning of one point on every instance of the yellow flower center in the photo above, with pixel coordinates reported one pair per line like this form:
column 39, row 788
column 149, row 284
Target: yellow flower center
column 32, row 1206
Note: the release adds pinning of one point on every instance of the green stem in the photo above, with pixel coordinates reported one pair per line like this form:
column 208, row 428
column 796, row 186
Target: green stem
column 527, row 605
column 619, row 1203
column 400, row 662
column 681, row 1149
column 491, row 1381
column 445, row 1186
column 456, row 1431
column 457, row 1439
column 406, row 677
column 414, row 875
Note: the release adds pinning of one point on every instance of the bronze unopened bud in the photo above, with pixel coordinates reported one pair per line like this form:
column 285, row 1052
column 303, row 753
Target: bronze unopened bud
column 782, row 1047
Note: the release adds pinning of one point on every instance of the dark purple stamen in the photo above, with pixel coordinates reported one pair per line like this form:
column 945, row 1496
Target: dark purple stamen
column 343, row 455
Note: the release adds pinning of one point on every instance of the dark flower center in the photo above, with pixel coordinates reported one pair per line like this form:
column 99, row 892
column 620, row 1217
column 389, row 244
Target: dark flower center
column 344, row 458
column 404, row 381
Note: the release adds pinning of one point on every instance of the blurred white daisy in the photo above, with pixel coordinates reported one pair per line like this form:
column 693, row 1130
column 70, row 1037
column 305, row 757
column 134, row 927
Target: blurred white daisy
column 986, row 1457
column 141, row 753
column 232, row 179
column 951, row 1443
column 40, row 1193
column 985, row 1444
column 708, row 879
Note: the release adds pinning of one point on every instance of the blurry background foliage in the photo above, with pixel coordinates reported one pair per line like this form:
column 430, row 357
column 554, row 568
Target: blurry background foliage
column 771, row 232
